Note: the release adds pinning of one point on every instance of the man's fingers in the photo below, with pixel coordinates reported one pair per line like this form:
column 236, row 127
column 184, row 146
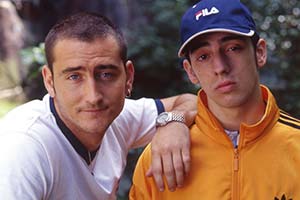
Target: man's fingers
column 169, row 172
column 186, row 159
column 156, row 170
column 179, row 168
column 149, row 172
column 170, row 158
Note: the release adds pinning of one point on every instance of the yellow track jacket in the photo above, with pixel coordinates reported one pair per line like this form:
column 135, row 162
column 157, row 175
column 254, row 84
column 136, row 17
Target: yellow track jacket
column 265, row 165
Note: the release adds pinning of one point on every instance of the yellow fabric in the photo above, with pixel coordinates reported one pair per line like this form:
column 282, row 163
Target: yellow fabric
column 267, row 160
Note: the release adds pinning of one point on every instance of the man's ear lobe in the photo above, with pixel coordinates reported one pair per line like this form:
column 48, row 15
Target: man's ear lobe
column 48, row 80
column 129, row 77
column 261, row 53
column 190, row 72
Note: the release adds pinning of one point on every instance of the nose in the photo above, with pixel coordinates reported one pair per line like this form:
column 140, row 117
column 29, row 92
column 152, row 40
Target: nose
column 93, row 91
column 221, row 64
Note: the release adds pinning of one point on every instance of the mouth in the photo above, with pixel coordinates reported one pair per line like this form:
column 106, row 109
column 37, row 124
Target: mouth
column 225, row 86
column 93, row 110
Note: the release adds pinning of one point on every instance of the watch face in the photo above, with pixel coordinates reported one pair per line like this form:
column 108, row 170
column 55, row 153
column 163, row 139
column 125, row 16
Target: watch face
column 162, row 119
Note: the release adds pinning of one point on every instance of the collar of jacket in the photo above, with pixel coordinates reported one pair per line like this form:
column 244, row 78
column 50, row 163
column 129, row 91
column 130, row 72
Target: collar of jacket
column 210, row 126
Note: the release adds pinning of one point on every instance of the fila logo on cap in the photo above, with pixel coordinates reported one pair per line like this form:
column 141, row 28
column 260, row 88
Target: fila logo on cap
column 204, row 12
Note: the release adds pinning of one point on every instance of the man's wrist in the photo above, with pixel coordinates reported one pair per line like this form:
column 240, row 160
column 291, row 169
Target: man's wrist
column 166, row 117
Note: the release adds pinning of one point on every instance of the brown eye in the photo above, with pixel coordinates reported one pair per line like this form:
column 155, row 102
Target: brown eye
column 202, row 57
column 234, row 48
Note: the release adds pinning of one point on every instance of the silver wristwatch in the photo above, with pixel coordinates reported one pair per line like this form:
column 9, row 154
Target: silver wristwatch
column 165, row 117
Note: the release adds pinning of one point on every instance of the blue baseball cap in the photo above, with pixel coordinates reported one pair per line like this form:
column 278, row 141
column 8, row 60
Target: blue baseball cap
column 215, row 16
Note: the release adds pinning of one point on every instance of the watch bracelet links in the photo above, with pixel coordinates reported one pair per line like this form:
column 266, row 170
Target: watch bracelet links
column 178, row 117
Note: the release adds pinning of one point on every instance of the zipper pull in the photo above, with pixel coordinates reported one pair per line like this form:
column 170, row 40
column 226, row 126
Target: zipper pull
column 236, row 160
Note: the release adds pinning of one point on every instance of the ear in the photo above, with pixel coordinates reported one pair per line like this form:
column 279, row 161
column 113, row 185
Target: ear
column 129, row 77
column 190, row 72
column 48, row 80
column 261, row 53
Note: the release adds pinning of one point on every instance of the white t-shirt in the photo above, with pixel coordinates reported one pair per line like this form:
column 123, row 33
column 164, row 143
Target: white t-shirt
column 38, row 162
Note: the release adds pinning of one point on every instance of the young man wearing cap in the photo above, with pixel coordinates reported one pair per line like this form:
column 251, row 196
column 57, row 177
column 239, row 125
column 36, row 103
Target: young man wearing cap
column 243, row 145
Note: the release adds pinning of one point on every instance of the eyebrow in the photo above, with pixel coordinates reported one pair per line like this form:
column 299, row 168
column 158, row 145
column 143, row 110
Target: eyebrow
column 109, row 66
column 71, row 69
column 199, row 44
column 196, row 45
column 233, row 37
column 99, row 67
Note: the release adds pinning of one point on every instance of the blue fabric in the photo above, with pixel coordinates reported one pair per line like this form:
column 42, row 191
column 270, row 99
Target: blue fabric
column 159, row 105
column 234, row 137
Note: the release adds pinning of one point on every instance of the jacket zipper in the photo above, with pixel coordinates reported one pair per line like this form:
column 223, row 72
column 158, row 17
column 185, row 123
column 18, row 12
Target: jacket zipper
column 235, row 174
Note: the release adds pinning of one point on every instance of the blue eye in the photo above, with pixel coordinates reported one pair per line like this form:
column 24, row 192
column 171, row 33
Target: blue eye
column 107, row 75
column 74, row 77
column 104, row 76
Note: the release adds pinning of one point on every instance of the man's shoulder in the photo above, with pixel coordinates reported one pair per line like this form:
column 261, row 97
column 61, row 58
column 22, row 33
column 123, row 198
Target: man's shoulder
column 136, row 110
column 33, row 119
column 135, row 125
column 138, row 102
column 26, row 114
column 144, row 160
column 288, row 122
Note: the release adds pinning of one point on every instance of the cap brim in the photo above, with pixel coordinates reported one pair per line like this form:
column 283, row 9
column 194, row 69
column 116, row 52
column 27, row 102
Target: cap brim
column 180, row 52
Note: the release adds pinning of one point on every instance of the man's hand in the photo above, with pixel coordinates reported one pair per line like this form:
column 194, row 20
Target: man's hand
column 170, row 149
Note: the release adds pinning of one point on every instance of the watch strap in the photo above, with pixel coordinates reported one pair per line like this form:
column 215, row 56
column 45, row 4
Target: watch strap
column 167, row 117
column 178, row 117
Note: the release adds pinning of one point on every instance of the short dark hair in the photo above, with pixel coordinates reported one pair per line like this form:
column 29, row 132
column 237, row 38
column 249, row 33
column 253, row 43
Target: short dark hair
column 86, row 27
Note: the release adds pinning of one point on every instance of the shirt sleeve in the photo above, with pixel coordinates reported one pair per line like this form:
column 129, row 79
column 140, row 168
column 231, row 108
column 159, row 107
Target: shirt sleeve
column 137, row 121
column 159, row 106
column 24, row 170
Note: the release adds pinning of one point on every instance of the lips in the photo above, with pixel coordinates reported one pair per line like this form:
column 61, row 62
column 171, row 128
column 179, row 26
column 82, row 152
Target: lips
column 93, row 109
column 225, row 86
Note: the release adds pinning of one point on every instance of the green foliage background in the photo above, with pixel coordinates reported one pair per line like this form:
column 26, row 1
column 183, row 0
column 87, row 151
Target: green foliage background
column 278, row 22
column 153, row 45
column 152, row 31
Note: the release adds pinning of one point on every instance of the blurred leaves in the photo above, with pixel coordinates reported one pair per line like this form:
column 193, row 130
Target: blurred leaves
column 34, row 55
column 33, row 58
column 153, row 43
column 278, row 21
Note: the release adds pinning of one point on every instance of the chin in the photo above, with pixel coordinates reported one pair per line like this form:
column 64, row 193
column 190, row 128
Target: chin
column 98, row 130
column 229, row 102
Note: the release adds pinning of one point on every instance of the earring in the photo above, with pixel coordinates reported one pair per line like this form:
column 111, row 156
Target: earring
column 128, row 93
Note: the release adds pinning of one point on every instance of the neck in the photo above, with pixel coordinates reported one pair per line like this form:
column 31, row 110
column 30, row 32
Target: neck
column 248, row 113
column 231, row 119
column 90, row 142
